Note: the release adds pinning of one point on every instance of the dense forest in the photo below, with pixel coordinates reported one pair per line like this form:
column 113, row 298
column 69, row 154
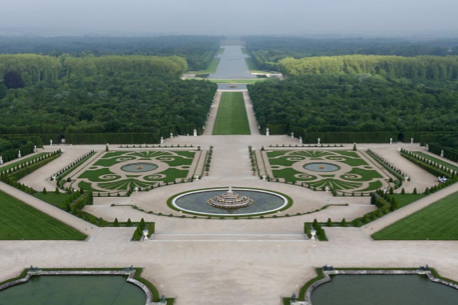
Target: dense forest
column 352, row 103
column 420, row 67
column 197, row 50
column 106, row 94
column 267, row 51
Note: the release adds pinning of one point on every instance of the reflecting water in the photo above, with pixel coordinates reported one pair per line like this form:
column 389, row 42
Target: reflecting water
column 383, row 290
column 139, row 167
column 197, row 202
column 321, row 167
column 232, row 64
column 74, row 290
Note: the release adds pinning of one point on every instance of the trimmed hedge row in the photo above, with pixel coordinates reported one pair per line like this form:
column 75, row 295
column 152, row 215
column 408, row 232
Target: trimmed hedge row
column 429, row 166
column 449, row 153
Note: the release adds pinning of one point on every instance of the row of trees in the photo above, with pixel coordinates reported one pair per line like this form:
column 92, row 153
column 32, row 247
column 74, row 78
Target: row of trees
column 197, row 50
column 34, row 68
column 267, row 51
column 420, row 67
column 324, row 103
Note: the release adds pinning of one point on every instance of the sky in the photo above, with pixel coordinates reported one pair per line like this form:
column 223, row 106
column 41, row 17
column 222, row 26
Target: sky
column 247, row 17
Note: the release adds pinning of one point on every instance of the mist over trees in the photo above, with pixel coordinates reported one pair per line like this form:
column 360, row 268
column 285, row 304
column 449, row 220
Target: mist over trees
column 268, row 51
column 197, row 50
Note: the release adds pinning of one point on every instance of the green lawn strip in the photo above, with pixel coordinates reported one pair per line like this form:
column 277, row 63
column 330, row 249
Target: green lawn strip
column 405, row 199
column 439, row 161
column 281, row 161
column 253, row 67
column 211, row 69
column 351, row 161
column 176, row 162
column 335, row 184
column 438, row 221
column 366, row 175
column 171, row 175
column 21, row 221
column 111, row 161
column 88, row 187
column 276, row 153
column 114, row 154
column 231, row 118
column 54, row 199
column 288, row 175
column 94, row 175
column 375, row 185
column 189, row 154
column 8, row 166
column 347, row 153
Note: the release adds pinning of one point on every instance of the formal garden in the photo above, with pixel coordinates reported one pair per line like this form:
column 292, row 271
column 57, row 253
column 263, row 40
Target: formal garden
column 349, row 172
column 121, row 172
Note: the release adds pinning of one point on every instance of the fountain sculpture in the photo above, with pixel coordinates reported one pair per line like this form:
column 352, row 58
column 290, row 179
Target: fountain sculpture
column 230, row 200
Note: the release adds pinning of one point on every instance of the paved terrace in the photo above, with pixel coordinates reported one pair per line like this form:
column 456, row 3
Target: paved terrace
column 228, row 262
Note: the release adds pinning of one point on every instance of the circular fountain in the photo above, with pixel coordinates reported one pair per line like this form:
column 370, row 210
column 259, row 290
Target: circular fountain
column 139, row 167
column 230, row 202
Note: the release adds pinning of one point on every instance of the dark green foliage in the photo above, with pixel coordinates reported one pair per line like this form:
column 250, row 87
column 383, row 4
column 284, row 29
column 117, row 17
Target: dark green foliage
column 368, row 110
column 116, row 222
column 129, row 223
column 343, row 223
column 13, row 80
column 44, row 191
column 329, row 222
column 403, row 191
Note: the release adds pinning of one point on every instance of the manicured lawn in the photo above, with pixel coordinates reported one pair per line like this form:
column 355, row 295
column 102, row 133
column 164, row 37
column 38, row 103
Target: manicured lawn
column 8, row 166
column 21, row 221
column 407, row 198
column 211, row 67
column 55, row 199
column 232, row 117
column 439, row 161
column 438, row 221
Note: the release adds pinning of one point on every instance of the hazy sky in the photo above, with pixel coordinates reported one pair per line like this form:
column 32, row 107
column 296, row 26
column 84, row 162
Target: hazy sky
column 293, row 17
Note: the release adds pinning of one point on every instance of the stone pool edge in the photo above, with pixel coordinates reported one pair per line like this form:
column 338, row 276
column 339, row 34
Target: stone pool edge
column 327, row 271
column 129, row 272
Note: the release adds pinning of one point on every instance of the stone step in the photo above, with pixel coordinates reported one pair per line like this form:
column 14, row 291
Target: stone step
column 222, row 237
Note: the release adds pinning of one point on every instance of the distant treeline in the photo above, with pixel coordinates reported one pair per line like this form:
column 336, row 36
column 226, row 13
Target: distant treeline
column 34, row 68
column 420, row 67
column 111, row 94
column 267, row 51
column 355, row 104
column 197, row 50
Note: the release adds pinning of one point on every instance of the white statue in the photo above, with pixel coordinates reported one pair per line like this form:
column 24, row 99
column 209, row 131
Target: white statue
column 35, row 149
column 319, row 141
column 171, row 135
column 391, row 140
column 411, row 140
column 162, row 140
column 50, row 142
column 195, row 132
column 313, row 233
column 442, row 153
column 300, row 140
column 1, row 160
column 292, row 135
column 267, row 132
column 145, row 235
column 19, row 154
column 427, row 147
